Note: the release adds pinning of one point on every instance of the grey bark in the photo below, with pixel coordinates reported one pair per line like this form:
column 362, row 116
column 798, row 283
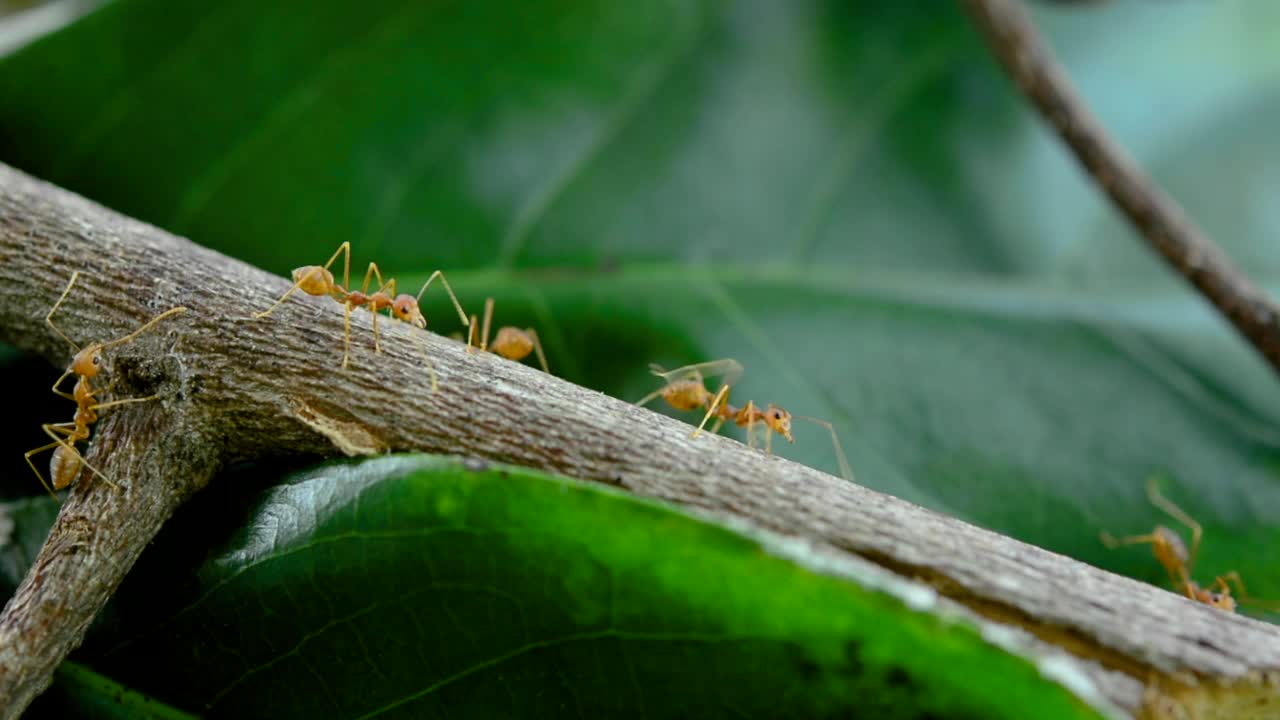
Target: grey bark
column 233, row 388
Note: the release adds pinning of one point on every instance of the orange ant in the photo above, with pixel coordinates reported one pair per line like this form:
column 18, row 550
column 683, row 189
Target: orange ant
column 685, row 389
column 1170, row 551
column 65, row 464
column 511, row 343
column 318, row 281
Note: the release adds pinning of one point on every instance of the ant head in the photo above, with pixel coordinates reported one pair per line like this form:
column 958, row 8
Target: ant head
column 779, row 421
column 88, row 361
column 1220, row 598
column 405, row 307
column 1222, row 601
column 314, row 280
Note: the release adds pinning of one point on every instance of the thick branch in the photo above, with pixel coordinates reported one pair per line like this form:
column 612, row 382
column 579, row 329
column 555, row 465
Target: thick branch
column 1014, row 40
column 235, row 388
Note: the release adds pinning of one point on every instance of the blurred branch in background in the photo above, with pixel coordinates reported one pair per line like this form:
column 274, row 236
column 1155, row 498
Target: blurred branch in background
column 24, row 22
column 1014, row 39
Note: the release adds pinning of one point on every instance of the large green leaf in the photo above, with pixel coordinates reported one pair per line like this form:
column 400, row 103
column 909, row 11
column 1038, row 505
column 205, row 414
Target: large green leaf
column 847, row 197
column 421, row 587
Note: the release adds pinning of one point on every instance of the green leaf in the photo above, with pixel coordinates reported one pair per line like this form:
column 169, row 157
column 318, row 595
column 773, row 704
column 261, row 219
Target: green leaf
column 23, row 527
column 417, row 586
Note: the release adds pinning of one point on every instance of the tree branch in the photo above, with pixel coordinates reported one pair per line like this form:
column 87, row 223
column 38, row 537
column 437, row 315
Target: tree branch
column 1158, row 218
column 234, row 388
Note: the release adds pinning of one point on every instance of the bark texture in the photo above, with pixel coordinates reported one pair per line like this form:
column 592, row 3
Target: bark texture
column 233, row 388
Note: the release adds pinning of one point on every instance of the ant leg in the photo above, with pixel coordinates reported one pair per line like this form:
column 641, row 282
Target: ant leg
column 1160, row 501
column 32, row 465
column 49, row 317
column 537, row 348
column 649, row 398
column 373, row 272
column 456, row 305
column 126, row 401
column 1179, row 577
column 346, row 278
column 145, row 326
column 471, row 334
column 58, row 382
column 431, row 368
column 488, row 318
column 346, row 336
column 369, row 274
column 1113, row 542
column 845, row 470
column 722, row 395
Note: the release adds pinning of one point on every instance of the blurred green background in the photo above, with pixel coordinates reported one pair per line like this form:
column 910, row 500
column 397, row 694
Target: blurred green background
column 846, row 197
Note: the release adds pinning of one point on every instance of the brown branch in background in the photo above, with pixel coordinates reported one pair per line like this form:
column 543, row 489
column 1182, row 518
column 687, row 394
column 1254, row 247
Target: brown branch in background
column 234, row 388
column 1013, row 38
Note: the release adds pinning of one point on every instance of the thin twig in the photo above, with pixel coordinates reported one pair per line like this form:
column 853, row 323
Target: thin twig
column 233, row 388
column 1013, row 38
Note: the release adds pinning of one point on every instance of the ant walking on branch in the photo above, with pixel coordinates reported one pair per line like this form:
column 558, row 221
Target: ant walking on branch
column 318, row 281
column 65, row 465
column 1171, row 552
column 511, row 342
column 686, row 389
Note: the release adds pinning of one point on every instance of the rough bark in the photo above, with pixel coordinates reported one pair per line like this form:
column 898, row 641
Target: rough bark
column 233, row 388
column 1157, row 217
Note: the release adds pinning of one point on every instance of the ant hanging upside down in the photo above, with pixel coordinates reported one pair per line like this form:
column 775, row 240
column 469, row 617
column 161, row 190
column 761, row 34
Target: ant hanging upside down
column 317, row 280
column 1171, row 552
column 685, row 389
column 66, row 462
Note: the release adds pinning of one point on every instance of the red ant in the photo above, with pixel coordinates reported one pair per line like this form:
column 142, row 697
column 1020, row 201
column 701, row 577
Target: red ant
column 318, row 281
column 1172, row 554
column 511, row 343
column 66, row 462
column 687, row 391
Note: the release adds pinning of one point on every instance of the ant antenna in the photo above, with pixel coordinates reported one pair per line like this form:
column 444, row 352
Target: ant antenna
column 145, row 327
column 845, row 470
column 456, row 305
column 49, row 317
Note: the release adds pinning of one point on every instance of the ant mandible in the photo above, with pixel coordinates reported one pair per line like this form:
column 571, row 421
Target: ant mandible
column 318, row 281
column 65, row 464
column 1172, row 554
column 685, row 389
column 511, row 342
